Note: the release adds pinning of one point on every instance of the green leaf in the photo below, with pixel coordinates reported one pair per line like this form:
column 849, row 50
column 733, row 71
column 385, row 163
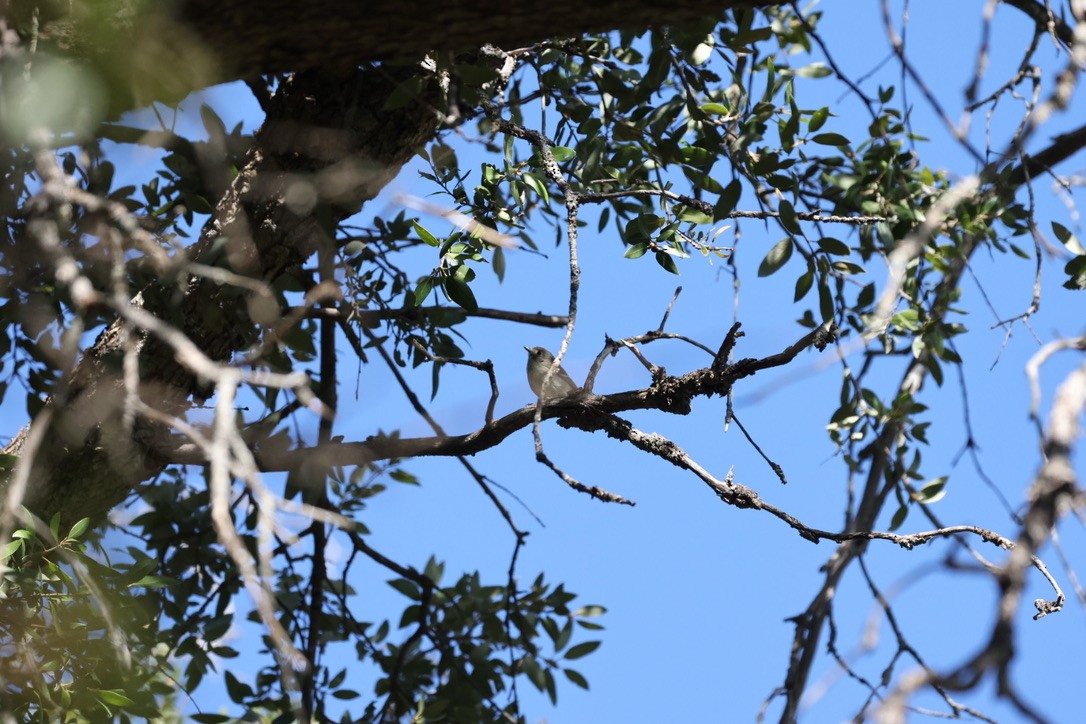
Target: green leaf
column 402, row 476
column 197, row 203
column 834, row 246
column 1019, row 251
column 789, row 128
column 899, row 517
column 497, row 260
column 561, row 153
column 866, row 297
column 10, row 548
column 216, row 129
column 715, row 109
column 582, row 649
column 460, row 293
column 814, row 70
column 639, row 229
column 803, row 284
column 949, row 355
column 936, row 370
column 667, row 262
column 908, row 319
column 933, row 491
column 533, row 182
column 434, row 571
column 825, row 300
column 788, row 217
column 114, row 697
column 777, row 257
column 830, row 139
column 697, row 156
column 155, row 582
column 818, row 118
column 235, row 689
column 692, row 215
column 576, row 678
column 423, row 289
column 353, row 248
column 562, row 639
column 406, row 587
column 637, row 250
column 751, row 36
column 1076, row 270
column 728, row 200
column 427, row 238
column 532, row 670
column 847, row 267
column 79, row 528
column 590, row 611
column 1068, row 239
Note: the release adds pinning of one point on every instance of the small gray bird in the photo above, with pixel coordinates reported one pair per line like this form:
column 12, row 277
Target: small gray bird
column 559, row 385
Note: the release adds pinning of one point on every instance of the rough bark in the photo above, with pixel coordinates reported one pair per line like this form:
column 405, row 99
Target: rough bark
column 164, row 50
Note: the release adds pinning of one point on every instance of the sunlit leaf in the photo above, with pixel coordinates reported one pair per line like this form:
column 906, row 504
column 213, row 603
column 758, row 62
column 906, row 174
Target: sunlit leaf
column 932, row 492
column 1067, row 238
column 427, row 238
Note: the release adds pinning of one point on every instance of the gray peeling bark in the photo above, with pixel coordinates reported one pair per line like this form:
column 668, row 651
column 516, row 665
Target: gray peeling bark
column 324, row 128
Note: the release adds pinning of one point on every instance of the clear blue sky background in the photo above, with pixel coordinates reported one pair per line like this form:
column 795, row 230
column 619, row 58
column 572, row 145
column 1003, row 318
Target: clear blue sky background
column 698, row 592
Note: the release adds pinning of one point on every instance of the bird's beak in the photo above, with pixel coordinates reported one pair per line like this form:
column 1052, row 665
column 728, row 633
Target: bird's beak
column 527, row 349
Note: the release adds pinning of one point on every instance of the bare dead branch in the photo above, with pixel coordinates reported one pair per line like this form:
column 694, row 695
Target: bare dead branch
column 775, row 467
column 486, row 366
column 667, row 312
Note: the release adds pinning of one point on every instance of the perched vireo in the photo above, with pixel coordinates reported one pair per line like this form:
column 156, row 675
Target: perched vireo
column 559, row 385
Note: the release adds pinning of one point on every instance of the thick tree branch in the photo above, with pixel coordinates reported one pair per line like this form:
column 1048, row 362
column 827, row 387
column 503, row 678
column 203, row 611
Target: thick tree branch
column 669, row 394
column 155, row 51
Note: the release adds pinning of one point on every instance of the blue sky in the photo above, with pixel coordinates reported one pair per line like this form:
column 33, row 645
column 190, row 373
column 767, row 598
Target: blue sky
column 698, row 592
